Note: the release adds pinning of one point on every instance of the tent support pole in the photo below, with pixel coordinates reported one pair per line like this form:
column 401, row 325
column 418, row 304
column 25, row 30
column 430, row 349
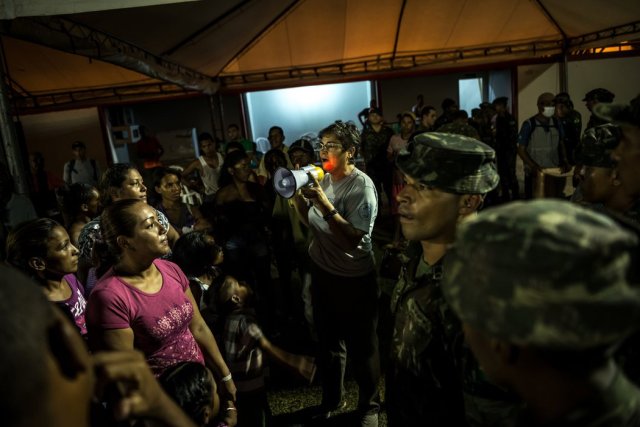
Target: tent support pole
column 8, row 133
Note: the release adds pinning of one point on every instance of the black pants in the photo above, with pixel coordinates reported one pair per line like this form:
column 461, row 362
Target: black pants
column 508, row 179
column 345, row 312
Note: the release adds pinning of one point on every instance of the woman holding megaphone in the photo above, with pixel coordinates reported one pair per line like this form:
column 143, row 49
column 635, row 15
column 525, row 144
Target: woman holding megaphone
column 340, row 211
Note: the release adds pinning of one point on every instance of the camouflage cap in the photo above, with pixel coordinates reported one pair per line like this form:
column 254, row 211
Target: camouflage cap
column 600, row 95
column 546, row 273
column 449, row 162
column 597, row 144
column 620, row 113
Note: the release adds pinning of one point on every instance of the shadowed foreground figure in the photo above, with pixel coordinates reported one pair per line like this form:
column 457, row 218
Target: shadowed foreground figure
column 49, row 378
column 541, row 290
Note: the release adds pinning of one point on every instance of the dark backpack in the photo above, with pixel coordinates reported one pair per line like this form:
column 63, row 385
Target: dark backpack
column 72, row 168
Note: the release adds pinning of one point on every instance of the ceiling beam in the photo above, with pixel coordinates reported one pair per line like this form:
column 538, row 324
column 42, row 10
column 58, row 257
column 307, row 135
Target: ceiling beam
column 228, row 14
column 68, row 36
column 263, row 31
column 398, row 27
column 551, row 19
column 11, row 9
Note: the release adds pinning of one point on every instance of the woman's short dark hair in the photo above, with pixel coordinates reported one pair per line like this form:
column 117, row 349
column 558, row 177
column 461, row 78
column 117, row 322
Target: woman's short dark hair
column 346, row 132
column 71, row 198
column 230, row 161
column 190, row 385
column 194, row 253
column 113, row 177
column 27, row 240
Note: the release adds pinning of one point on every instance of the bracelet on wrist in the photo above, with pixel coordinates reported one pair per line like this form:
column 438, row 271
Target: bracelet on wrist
column 230, row 408
column 330, row 215
column 226, row 378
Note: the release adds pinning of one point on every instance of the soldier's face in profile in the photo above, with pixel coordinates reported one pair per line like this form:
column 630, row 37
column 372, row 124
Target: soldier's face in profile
column 627, row 154
column 598, row 184
column 427, row 213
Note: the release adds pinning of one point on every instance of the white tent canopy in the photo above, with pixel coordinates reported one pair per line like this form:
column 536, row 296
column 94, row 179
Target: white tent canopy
column 247, row 44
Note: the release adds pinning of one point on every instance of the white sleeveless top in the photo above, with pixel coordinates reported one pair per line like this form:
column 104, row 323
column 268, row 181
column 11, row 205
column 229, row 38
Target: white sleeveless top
column 210, row 175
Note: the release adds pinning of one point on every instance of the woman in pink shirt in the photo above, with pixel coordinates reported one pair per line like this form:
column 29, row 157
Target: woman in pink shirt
column 144, row 302
column 41, row 248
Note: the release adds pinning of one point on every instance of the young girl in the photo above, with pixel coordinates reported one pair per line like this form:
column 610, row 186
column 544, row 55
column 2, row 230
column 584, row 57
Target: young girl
column 42, row 249
column 145, row 301
column 79, row 204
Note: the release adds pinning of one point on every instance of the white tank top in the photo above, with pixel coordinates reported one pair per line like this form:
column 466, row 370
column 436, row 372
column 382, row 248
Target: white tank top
column 210, row 175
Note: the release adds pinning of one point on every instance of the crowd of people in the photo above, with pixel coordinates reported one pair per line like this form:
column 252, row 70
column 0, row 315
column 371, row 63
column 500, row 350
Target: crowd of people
column 165, row 308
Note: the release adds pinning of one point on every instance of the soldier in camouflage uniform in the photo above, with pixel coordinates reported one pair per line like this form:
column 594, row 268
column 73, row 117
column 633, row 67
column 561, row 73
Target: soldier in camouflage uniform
column 374, row 141
column 600, row 184
column 627, row 155
column 460, row 125
column 592, row 99
column 541, row 290
column 446, row 178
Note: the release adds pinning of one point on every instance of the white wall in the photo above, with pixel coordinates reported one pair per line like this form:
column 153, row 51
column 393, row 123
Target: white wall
column 534, row 80
column 619, row 75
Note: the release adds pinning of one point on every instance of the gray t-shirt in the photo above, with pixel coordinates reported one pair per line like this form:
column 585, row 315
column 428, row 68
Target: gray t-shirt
column 356, row 199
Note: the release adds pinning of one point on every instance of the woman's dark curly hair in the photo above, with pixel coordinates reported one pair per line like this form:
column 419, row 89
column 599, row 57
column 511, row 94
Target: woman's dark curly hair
column 346, row 132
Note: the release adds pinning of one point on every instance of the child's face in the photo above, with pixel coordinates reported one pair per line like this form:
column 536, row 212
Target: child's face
column 241, row 292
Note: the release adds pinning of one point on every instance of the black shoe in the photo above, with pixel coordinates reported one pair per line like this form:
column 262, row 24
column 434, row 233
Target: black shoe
column 321, row 412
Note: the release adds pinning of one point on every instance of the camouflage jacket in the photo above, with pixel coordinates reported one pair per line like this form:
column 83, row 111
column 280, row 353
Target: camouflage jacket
column 428, row 347
column 421, row 377
column 373, row 145
column 618, row 405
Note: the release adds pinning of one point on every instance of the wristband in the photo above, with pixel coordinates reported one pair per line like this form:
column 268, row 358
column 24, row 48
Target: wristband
column 230, row 408
column 330, row 215
column 226, row 378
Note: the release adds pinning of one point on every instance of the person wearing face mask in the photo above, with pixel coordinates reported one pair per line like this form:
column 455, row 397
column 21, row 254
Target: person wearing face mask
column 540, row 147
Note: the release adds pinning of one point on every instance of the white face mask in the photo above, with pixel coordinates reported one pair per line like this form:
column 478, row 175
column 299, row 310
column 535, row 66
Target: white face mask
column 548, row 111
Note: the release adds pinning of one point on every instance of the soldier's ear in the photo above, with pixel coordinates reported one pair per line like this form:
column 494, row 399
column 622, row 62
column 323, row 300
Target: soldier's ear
column 470, row 203
column 615, row 178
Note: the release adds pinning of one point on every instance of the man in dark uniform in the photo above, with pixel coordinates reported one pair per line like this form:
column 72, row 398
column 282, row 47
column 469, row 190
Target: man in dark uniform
column 374, row 141
column 571, row 122
column 506, row 146
column 449, row 107
column 446, row 176
column 542, row 292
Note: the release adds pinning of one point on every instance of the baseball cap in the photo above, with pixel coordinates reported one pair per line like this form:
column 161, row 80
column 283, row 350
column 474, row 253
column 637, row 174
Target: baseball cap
column 600, row 95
